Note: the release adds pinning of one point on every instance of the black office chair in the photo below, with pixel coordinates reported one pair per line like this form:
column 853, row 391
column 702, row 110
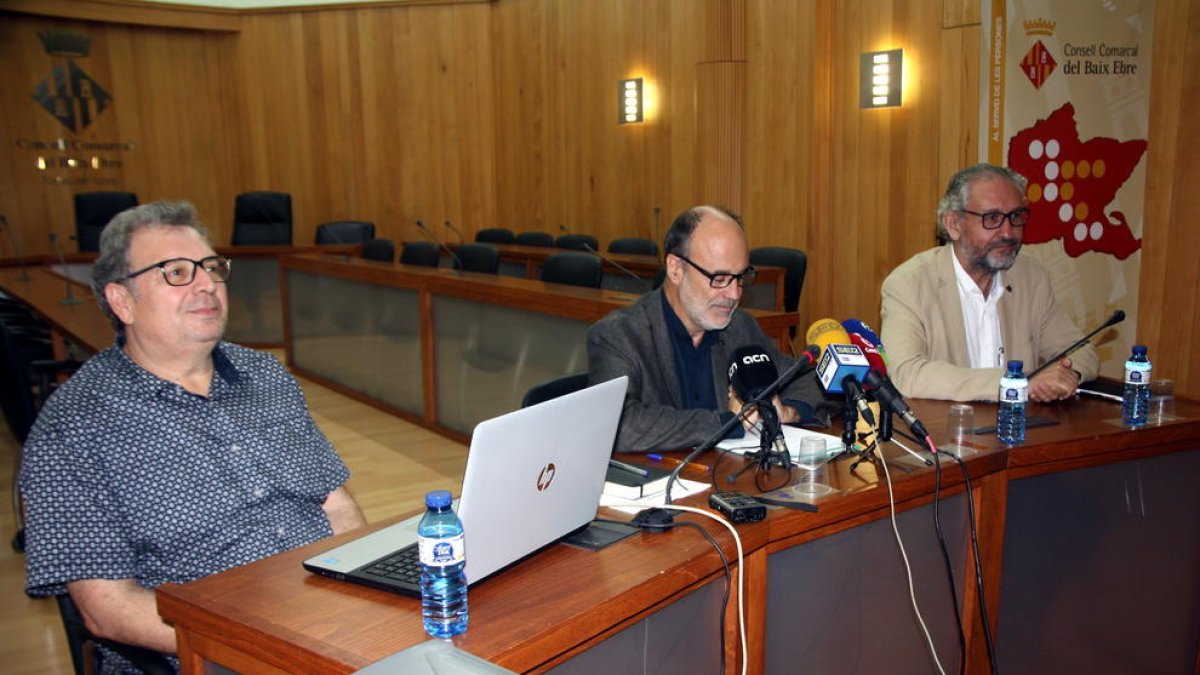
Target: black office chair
column 496, row 235
column 382, row 250
column 633, row 245
column 543, row 239
column 345, row 232
column 93, row 210
column 554, row 388
column 424, row 253
column 82, row 644
column 574, row 268
column 577, row 242
column 791, row 259
column 478, row 257
column 262, row 219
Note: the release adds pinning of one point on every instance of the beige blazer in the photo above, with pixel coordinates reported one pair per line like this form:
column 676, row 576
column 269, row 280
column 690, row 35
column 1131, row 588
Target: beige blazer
column 925, row 338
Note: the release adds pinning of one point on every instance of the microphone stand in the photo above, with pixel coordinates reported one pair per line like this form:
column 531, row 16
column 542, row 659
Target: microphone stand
column 12, row 243
column 772, row 449
column 617, row 265
column 70, row 298
column 458, row 266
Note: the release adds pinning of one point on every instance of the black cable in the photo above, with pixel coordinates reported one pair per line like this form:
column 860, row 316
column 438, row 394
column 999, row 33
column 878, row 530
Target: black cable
column 937, row 526
column 983, row 613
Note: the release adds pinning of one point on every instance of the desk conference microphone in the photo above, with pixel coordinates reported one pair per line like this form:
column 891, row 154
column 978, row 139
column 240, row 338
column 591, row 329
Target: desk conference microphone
column 458, row 266
column 69, row 298
column 1116, row 318
column 455, row 231
column 614, row 263
column 806, row 362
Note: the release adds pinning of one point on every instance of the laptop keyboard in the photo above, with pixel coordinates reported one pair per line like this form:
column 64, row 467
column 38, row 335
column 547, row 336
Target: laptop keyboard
column 402, row 567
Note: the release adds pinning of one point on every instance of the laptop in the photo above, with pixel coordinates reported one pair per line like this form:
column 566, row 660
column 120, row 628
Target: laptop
column 533, row 476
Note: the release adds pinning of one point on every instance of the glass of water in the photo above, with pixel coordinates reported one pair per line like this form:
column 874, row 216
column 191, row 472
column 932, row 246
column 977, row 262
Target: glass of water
column 812, row 460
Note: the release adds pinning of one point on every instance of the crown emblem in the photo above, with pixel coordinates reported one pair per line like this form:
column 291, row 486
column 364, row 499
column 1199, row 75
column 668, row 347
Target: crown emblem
column 1040, row 27
column 65, row 43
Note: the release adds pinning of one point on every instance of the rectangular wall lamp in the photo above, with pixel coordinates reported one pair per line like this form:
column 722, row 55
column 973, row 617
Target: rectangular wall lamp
column 630, row 108
column 879, row 79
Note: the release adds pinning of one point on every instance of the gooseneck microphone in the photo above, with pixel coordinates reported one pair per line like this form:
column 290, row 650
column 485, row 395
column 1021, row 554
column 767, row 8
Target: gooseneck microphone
column 1116, row 318
column 433, row 237
column 69, row 298
column 455, row 231
column 617, row 265
column 805, row 363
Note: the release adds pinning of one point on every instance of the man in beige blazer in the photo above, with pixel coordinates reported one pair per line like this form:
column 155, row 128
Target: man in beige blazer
column 1013, row 314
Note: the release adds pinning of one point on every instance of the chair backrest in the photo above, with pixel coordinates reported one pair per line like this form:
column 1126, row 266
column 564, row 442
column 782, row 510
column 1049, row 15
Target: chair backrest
column 577, row 241
column 477, row 257
column 791, row 259
column 81, row 642
column 535, row 239
column 345, row 232
column 496, row 235
column 424, row 253
column 379, row 249
column 93, row 210
column 554, row 388
column 262, row 219
column 574, row 268
column 634, row 245
column 17, row 399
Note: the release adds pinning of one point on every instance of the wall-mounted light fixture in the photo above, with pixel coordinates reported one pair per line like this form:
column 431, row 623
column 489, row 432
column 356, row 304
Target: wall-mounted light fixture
column 630, row 103
column 880, row 75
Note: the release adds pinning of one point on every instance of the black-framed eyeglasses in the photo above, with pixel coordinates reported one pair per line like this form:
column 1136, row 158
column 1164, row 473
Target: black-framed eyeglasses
column 723, row 279
column 994, row 219
column 182, row 271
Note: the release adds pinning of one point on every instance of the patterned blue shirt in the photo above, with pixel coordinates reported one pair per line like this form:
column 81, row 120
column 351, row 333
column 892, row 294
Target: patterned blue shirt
column 128, row 476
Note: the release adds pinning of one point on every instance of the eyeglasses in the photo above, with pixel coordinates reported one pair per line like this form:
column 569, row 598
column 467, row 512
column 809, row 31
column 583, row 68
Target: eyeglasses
column 994, row 219
column 723, row 279
column 182, row 271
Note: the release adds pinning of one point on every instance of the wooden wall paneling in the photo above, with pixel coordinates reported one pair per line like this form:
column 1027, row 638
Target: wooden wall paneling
column 720, row 132
column 136, row 13
column 958, row 68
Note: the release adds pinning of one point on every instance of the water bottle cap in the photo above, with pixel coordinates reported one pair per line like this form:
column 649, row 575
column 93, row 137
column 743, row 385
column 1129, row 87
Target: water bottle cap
column 1139, row 350
column 1016, row 365
column 437, row 499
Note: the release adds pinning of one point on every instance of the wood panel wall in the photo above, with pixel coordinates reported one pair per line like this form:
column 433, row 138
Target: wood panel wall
column 504, row 113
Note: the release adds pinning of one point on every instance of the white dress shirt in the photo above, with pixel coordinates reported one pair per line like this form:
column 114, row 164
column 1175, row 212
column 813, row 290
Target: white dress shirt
column 981, row 317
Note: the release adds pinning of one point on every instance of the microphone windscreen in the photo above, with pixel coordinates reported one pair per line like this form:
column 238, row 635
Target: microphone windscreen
column 859, row 326
column 841, row 360
column 872, row 354
column 750, row 371
column 1116, row 318
column 824, row 332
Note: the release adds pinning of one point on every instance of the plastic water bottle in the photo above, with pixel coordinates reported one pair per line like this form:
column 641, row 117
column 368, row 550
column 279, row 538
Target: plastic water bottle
column 443, row 557
column 1135, row 399
column 1014, row 392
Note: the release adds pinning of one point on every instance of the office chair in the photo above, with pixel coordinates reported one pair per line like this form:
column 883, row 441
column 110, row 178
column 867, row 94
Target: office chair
column 791, row 259
column 478, row 257
column 573, row 268
column 93, row 210
column 345, row 232
column 82, row 644
column 577, row 241
column 554, row 388
column 382, row 250
column 633, row 245
column 544, row 239
column 496, row 235
column 424, row 253
column 262, row 219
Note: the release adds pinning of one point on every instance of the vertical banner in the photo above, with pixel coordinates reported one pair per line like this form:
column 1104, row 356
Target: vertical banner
column 1065, row 102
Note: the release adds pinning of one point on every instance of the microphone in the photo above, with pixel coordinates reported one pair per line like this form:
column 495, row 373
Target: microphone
column 70, row 298
column 12, row 243
column 886, row 393
column 803, row 364
column 455, row 231
column 429, row 233
column 1116, row 318
column 853, row 326
column 614, row 263
column 750, row 371
column 563, row 228
column 840, row 359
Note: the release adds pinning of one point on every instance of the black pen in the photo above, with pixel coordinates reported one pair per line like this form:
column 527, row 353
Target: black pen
column 632, row 468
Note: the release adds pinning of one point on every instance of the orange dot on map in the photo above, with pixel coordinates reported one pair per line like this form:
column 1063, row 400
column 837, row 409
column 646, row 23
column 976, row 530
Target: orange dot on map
column 1068, row 169
column 1034, row 192
column 1081, row 211
column 1084, row 168
column 1098, row 168
column 1067, row 191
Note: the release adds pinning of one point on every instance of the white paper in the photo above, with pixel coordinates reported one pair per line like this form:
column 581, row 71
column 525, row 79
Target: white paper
column 681, row 488
column 791, row 435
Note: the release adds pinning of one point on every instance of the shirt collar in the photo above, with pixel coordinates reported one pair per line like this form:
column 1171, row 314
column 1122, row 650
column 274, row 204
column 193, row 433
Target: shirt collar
column 967, row 285
column 223, row 366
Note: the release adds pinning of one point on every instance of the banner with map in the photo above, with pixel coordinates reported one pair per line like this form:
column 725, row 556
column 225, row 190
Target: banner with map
column 1065, row 102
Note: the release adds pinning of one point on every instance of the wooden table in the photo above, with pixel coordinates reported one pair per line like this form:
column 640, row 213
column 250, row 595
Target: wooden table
column 564, row 607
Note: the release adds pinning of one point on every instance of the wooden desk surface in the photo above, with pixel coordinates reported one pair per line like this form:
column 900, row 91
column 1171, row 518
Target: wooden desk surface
column 83, row 323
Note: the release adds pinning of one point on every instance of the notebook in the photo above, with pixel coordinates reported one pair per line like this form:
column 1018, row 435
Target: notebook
column 533, row 476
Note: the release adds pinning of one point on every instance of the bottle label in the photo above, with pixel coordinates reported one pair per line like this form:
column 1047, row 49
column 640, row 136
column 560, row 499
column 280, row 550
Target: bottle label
column 1137, row 373
column 1013, row 392
column 441, row 552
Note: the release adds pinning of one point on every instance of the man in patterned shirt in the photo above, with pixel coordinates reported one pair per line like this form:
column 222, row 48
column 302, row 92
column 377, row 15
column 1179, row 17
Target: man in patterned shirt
column 172, row 455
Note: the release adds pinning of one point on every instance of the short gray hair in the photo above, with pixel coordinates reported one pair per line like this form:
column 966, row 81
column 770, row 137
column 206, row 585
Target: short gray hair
column 959, row 190
column 112, row 266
